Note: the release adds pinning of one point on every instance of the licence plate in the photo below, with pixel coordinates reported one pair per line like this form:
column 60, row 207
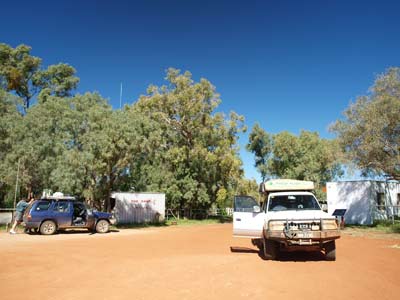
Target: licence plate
column 304, row 234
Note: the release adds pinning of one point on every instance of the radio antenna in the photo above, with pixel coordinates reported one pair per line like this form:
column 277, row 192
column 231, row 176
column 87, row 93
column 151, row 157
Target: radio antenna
column 120, row 97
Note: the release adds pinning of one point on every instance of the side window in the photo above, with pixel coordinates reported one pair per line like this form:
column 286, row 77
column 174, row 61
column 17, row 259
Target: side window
column 380, row 201
column 244, row 204
column 61, row 206
column 42, row 206
column 79, row 208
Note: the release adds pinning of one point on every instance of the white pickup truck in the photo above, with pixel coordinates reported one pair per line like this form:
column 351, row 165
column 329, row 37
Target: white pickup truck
column 289, row 218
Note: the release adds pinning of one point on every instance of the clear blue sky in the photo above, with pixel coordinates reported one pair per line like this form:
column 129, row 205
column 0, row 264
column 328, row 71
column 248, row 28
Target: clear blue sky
column 289, row 65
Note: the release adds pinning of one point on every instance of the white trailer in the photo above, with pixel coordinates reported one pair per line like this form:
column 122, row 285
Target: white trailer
column 138, row 207
column 364, row 200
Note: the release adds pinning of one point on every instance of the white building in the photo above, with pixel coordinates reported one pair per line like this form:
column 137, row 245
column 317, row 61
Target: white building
column 365, row 200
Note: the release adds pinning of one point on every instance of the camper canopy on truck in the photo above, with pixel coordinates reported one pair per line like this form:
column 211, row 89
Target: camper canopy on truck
column 290, row 218
column 280, row 185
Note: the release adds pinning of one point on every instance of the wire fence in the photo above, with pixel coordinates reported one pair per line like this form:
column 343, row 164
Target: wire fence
column 199, row 214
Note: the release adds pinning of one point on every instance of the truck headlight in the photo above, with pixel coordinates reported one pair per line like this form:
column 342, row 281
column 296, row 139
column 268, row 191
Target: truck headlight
column 276, row 226
column 329, row 224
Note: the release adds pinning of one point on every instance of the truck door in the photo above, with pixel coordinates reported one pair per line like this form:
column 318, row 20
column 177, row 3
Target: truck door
column 248, row 220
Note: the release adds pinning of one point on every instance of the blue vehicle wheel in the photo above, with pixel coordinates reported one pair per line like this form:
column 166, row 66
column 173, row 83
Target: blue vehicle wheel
column 102, row 226
column 48, row 227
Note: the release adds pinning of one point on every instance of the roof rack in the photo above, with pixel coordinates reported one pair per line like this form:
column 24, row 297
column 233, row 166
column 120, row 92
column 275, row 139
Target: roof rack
column 58, row 198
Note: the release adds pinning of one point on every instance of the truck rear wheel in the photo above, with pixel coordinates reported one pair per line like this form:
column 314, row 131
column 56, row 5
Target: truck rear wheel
column 270, row 249
column 330, row 251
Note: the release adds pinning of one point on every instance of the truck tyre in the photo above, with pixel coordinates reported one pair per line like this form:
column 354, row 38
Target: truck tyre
column 258, row 243
column 102, row 226
column 330, row 251
column 48, row 227
column 270, row 249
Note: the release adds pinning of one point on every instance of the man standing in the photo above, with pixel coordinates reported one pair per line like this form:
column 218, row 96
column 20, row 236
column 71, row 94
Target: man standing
column 19, row 212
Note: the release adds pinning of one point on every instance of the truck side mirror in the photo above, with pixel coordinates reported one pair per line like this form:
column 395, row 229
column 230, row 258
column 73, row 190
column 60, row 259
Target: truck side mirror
column 256, row 209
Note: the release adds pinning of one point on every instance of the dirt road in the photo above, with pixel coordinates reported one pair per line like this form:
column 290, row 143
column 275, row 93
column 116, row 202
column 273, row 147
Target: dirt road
column 190, row 263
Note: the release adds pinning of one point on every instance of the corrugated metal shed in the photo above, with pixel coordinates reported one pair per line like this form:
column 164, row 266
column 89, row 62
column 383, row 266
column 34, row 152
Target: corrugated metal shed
column 139, row 207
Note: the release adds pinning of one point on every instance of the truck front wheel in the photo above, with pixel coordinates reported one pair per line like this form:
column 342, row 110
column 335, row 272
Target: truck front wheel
column 270, row 249
column 330, row 250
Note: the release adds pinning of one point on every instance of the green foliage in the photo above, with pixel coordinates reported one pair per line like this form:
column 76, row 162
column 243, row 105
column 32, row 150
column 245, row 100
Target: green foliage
column 303, row 157
column 196, row 156
column 170, row 141
column 9, row 118
column 260, row 143
column 79, row 146
column 370, row 131
column 21, row 73
column 386, row 226
column 191, row 222
column 247, row 187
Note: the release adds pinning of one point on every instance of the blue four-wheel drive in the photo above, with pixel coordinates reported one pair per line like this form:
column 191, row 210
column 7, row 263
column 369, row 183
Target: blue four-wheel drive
column 49, row 215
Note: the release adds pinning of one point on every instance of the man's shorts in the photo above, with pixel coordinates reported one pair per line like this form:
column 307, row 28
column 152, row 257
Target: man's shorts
column 18, row 216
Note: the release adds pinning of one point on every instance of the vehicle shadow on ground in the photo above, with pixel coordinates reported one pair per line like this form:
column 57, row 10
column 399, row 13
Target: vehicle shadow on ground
column 73, row 231
column 298, row 256
column 83, row 231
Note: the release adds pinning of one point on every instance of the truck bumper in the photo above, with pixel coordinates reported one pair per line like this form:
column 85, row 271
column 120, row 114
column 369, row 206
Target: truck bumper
column 31, row 225
column 305, row 238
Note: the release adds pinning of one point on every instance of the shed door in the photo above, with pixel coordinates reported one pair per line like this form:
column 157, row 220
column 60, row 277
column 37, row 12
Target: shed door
column 246, row 221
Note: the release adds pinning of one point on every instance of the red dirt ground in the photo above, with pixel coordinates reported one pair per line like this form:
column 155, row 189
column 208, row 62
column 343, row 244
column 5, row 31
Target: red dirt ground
column 190, row 263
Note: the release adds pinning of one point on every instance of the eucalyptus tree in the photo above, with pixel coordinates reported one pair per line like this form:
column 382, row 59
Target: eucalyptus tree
column 78, row 145
column 197, row 151
column 38, row 142
column 22, row 73
column 99, row 151
column 370, row 131
column 303, row 157
column 260, row 143
column 9, row 119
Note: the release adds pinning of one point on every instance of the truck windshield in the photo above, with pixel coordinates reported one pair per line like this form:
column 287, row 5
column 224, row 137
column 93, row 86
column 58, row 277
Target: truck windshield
column 293, row 202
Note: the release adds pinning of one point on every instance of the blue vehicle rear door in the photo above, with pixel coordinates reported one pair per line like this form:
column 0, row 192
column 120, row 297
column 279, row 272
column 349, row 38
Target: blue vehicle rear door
column 63, row 213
